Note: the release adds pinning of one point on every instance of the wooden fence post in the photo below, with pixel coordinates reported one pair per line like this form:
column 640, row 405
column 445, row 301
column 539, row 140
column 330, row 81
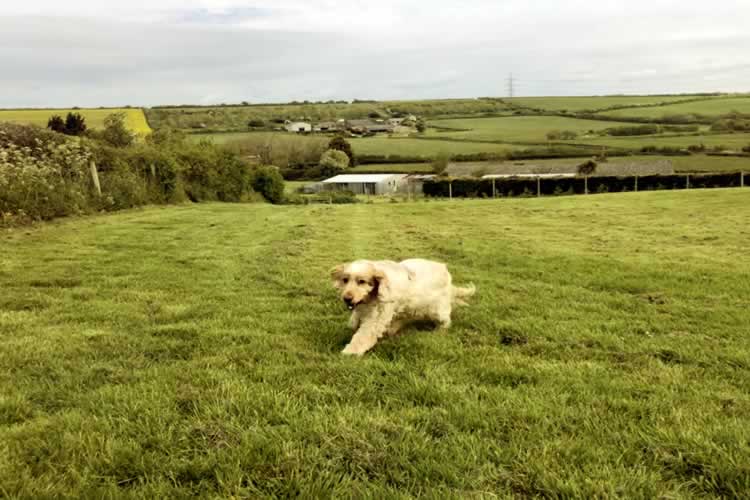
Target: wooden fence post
column 494, row 193
column 450, row 190
column 687, row 181
column 636, row 183
column 538, row 187
column 586, row 184
column 742, row 179
column 95, row 178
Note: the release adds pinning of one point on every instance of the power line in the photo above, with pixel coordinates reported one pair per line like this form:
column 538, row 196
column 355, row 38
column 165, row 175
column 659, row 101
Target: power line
column 511, row 88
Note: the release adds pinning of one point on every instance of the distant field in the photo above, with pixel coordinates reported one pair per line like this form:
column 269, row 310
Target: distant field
column 693, row 163
column 732, row 141
column 135, row 119
column 394, row 167
column 702, row 163
column 530, row 129
column 238, row 117
column 423, row 148
column 593, row 102
column 687, row 164
column 713, row 107
column 232, row 136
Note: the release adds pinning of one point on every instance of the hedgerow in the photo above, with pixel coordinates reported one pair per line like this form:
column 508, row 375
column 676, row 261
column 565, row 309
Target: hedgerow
column 44, row 175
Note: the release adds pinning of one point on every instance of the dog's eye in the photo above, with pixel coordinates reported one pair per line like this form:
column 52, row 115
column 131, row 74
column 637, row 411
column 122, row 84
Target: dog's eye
column 362, row 282
column 345, row 280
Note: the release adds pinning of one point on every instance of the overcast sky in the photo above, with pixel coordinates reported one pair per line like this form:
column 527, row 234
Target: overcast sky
column 86, row 53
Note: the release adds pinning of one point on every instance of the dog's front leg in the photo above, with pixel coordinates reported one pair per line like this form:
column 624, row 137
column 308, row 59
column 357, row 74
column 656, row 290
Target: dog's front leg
column 354, row 320
column 371, row 329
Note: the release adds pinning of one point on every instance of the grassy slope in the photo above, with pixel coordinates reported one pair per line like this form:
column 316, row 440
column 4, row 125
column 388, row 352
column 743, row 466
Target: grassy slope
column 237, row 117
column 381, row 145
column 194, row 351
column 700, row 163
column 593, row 102
column 518, row 128
column 425, row 148
column 732, row 141
column 394, row 167
column 713, row 107
column 693, row 163
column 135, row 119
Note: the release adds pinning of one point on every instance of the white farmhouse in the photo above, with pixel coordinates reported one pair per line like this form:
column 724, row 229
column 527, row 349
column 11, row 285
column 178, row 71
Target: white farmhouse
column 298, row 127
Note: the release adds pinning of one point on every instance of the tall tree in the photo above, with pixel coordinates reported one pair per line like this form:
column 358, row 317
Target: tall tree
column 75, row 124
column 56, row 124
column 338, row 143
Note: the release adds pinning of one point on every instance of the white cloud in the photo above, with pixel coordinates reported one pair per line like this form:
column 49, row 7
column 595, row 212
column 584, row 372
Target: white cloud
column 167, row 51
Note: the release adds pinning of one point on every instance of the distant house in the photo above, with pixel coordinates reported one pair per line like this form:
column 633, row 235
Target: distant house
column 366, row 183
column 298, row 127
column 327, row 127
column 368, row 127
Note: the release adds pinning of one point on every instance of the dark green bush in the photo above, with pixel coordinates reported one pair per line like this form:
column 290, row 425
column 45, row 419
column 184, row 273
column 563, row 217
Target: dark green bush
column 633, row 130
column 267, row 180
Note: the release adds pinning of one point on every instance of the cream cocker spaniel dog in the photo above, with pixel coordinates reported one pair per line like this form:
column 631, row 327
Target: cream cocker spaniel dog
column 384, row 296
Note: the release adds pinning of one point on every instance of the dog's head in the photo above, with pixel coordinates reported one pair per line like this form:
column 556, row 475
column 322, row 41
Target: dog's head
column 360, row 282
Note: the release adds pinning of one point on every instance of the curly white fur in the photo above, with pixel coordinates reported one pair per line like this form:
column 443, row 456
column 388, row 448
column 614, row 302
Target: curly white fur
column 385, row 296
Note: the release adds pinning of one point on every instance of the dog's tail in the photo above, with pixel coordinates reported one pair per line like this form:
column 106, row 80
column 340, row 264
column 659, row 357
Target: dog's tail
column 462, row 293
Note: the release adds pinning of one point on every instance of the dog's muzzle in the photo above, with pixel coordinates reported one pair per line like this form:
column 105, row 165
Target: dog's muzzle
column 350, row 304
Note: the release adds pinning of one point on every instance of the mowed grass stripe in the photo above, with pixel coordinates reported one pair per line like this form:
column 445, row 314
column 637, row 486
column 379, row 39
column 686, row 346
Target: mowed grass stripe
column 605, row 352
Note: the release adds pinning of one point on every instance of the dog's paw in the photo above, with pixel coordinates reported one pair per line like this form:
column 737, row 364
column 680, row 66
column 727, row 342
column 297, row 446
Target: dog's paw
column 351, row 351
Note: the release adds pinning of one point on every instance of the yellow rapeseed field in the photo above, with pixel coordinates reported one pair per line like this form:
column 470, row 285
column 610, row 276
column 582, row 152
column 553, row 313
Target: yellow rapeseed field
column 135, row 119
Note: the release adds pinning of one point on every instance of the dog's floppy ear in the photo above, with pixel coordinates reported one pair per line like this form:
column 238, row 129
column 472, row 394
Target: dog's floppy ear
column 382, row 284
column 336, row 274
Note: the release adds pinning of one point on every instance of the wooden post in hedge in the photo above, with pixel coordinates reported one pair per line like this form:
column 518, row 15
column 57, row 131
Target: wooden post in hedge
column 450, row 190
column 494, row 193
column 95, row 177
column 687, row 181
column 538, row 186
column 742, row 179
column 636, row 183
column 586, row 184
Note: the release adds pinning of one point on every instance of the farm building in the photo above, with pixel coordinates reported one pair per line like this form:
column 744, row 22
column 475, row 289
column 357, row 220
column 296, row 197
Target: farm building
column 328, row 126
column 366, row 183
column 298, row 127
column 368, row 127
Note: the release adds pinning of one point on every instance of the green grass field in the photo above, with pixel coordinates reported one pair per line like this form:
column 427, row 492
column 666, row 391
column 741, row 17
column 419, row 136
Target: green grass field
column 529, row 129
column 237, row 117
column 701, row 163
column 423, row 148
column 712, row 107
column 693, row 163
column 594, row 102
column 381, row 145
column 134, row 118
column 732, row 141
column 194, row 351
column 394, row 167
